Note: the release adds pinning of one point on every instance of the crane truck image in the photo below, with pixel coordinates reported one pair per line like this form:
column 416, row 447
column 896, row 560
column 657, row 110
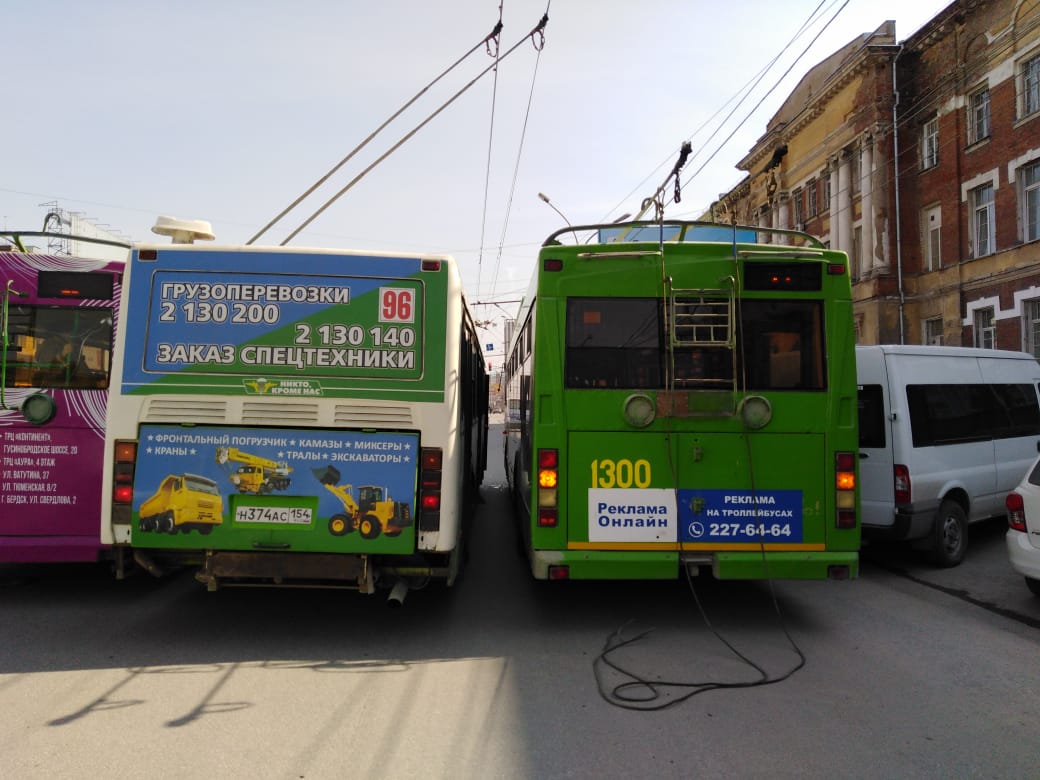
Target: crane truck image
column 182, row 502
column 256, row 474
column 373, row 511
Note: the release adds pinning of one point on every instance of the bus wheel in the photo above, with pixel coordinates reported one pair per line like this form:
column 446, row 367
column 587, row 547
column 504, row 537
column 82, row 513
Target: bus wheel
column 951, row 535
column 340, row 525
column 369, row 527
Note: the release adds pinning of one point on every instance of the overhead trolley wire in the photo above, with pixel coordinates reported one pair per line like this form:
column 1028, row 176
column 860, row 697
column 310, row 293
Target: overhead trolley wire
column 485, row 41
column 534, row 31
column 539, row 46
column 767, row 94
column 491, row 139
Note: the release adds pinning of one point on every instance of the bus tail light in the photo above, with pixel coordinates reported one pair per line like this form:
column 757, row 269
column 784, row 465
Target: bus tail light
column 125, row 457
column 1016, row 512
column 845, row 489
column 431, row 461
column 901, row 483
column 548, row 475
column 557, row 572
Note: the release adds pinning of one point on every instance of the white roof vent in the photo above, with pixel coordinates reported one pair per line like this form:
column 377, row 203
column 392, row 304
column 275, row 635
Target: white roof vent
column 183, row 231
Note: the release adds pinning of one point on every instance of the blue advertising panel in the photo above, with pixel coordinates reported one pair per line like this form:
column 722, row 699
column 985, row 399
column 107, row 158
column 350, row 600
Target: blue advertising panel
column 763, row 516
column 290, row 489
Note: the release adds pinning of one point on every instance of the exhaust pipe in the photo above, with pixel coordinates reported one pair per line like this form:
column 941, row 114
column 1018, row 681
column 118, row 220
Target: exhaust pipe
column 148, row 564
column 397, row 594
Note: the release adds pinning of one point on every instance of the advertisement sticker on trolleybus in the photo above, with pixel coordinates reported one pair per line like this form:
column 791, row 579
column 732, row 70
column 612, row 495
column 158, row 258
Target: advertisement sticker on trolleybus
column 740, row 515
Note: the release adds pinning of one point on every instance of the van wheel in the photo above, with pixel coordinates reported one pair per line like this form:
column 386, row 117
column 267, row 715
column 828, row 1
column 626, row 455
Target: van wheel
column 951, row 535
column 1033, row 585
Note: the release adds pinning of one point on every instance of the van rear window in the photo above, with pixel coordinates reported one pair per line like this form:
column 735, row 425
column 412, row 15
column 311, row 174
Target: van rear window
column 871, row 416
column 954, row 414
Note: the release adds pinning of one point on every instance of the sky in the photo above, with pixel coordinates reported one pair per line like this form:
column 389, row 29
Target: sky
column 229, row 110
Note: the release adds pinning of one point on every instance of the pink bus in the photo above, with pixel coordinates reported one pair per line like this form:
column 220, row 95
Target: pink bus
column 57, row 323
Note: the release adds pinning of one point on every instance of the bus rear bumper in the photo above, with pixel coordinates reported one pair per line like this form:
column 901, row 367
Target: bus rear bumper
column 654, row 565
column 786, row 565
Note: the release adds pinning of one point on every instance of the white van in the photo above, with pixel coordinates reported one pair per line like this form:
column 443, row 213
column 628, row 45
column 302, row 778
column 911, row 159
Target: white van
column 945, row 433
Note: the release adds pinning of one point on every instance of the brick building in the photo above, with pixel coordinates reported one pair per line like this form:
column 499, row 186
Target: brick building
column 950, row 143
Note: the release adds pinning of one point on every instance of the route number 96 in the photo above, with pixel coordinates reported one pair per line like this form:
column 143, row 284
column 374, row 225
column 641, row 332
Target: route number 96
column 396, row 304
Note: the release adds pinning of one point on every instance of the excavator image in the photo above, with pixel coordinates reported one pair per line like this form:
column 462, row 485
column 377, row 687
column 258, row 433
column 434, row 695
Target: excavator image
column 255, row 474
column 371, row 513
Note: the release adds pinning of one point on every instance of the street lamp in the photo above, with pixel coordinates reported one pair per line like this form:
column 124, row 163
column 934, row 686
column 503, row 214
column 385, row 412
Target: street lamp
column 545, row 198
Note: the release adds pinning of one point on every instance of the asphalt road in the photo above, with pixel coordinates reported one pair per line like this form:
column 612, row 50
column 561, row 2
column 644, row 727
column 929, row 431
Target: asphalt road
column 908, row 671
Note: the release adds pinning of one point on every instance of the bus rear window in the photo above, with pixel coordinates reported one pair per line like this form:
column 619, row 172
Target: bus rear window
column 614, row 342
column 58, row 346
column 621, row 343
column 783, row 344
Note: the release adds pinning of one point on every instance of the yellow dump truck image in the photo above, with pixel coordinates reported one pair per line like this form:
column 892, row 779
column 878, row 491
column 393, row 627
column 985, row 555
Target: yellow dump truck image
column 183, row 502
column 255, row 474
column 371, row 513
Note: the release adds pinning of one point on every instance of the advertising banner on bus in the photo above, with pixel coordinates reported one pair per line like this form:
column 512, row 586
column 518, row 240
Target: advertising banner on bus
column 275, row 488
column 239, row 322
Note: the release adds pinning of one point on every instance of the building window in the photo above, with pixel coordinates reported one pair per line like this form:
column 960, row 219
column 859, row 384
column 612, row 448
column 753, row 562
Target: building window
column 985, row 331
column 1031, row 317
column 933, row 331
column 982, row 222
column 1030, row 178
column 799, row 209
column 931, row 222
column 810, row 191
column 978, row 116
column 1031, row 86
column 825, row 177
column 930, row 144
column 856, row 168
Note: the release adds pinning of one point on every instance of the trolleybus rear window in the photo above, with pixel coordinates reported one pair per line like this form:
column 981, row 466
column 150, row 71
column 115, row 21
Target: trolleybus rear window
column 58, row 346
column 621, row 343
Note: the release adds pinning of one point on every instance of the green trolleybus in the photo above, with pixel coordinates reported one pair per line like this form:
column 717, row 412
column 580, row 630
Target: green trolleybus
column 294, row 417
column 683, row 395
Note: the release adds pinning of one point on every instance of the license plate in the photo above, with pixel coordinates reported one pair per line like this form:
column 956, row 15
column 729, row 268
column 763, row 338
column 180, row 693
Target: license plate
column 285, row 515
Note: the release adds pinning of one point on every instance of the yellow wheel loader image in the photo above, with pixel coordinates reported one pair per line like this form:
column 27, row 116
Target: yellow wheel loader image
column 183, row 502
column 255, row 474
column 371, row 513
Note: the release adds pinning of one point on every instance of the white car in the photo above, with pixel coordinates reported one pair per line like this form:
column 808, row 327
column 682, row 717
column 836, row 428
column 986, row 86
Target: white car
column 1023, row 536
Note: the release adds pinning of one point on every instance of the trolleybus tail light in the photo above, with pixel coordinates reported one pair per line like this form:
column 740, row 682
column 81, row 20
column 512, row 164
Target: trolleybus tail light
column 836, row 269
column 552, row 264
column 548, row 462
column 431, row 265
column 1016, row 512
column 431, row 460
column 845, row 488
column 901, row 483
column 546, row 518
column 559, row 572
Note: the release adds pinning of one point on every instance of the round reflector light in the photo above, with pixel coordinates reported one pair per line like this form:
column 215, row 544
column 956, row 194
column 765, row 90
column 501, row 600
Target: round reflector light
column 39, row 408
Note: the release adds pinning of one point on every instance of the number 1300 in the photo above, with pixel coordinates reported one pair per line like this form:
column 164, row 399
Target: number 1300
column 620, row 473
